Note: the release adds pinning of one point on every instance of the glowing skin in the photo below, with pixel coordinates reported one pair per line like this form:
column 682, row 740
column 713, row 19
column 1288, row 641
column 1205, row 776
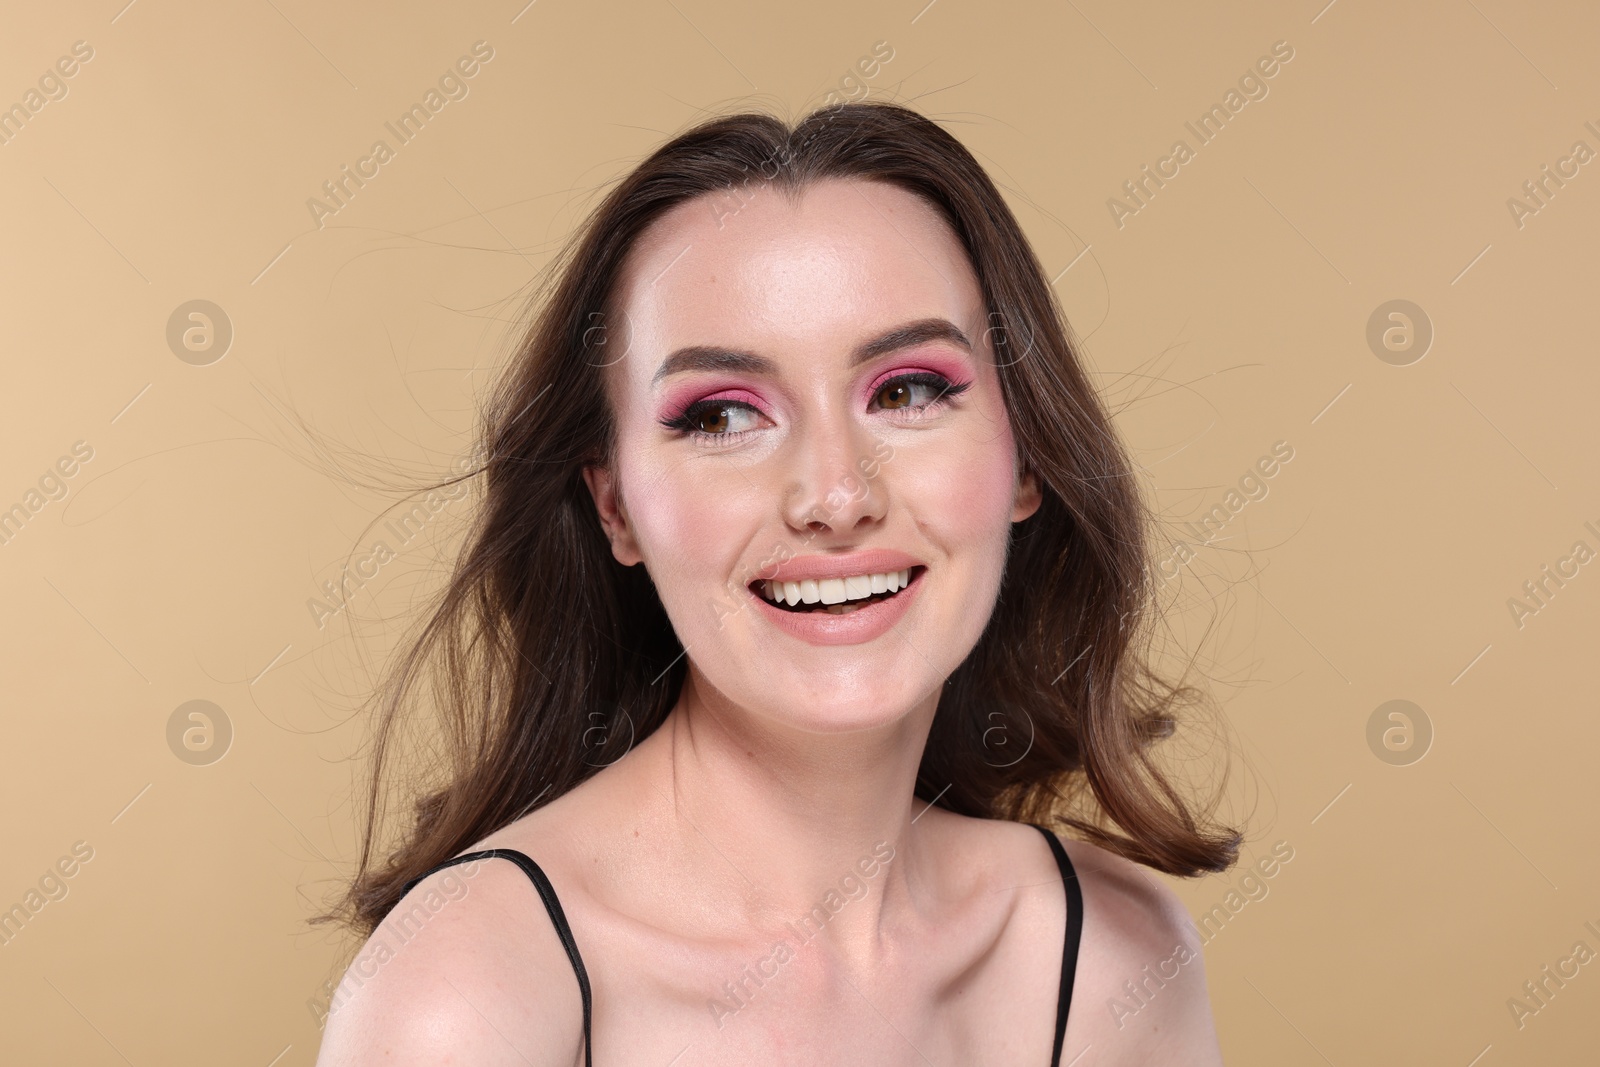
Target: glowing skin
column 784, row 761
column 826, row 461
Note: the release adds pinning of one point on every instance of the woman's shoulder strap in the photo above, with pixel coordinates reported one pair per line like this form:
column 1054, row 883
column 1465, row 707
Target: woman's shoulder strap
column 1069, row 951
column 547, row 894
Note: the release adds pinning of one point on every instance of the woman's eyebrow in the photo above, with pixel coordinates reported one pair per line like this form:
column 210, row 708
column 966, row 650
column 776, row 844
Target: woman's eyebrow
column 712, row 358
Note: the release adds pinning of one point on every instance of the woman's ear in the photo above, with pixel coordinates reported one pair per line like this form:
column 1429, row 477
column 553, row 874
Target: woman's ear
column 1029, row 495
column 613, row 515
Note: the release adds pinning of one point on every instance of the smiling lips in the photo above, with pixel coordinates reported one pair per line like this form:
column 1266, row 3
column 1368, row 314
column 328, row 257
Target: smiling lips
column 838, row 596
column 837, row 584
column 841, row 599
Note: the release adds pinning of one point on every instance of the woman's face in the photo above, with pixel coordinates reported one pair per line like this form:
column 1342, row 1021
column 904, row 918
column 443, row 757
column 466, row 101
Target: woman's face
column 808, row 392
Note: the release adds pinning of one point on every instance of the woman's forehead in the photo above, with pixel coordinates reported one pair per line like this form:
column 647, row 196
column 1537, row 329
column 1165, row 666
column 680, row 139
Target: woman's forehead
column 821, row 272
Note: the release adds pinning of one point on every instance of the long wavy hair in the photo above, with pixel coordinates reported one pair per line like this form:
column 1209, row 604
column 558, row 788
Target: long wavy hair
column 548, row 659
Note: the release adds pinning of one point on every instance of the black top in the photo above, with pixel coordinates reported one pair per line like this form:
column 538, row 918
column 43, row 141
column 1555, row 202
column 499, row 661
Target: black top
column 547, row 893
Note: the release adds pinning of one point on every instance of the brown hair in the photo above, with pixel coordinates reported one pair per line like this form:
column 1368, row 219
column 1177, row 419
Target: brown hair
column 552, row 658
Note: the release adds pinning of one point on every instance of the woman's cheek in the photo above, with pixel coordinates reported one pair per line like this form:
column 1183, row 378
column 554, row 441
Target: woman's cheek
column 687, row 518
column 966, row 487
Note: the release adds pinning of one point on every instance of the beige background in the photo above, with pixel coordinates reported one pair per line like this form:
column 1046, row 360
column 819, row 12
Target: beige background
column 1228, row 314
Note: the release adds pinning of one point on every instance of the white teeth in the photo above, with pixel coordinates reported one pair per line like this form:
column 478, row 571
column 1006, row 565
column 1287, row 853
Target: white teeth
column 836, row 590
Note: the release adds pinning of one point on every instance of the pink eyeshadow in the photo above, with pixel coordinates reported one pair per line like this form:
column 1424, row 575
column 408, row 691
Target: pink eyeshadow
column 681, row 399
column 951, row 367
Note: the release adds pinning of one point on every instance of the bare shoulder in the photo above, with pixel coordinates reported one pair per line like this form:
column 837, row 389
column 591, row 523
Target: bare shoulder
column 467, row 968
column 1140, row 993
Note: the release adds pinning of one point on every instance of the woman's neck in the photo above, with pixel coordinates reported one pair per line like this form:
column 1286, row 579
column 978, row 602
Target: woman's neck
column 789, row 819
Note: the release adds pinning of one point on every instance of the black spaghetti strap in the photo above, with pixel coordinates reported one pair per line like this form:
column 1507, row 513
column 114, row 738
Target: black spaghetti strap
column 547, row 893
column 1069, row 951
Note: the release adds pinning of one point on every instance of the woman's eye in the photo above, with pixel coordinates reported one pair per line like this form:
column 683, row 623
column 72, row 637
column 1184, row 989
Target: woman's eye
column 719, row 418
column 900, row 393
column 896, row 395
column 725, row 420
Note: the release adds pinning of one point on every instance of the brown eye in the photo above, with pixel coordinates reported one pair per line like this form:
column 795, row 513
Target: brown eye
column 712, row 420
column 900, row 393
column 896, row 395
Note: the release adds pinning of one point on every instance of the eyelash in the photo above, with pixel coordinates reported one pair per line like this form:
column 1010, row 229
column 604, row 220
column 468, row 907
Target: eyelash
column 685, row 422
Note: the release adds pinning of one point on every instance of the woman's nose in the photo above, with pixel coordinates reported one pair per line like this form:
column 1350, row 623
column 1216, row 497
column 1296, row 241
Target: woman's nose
column 835, row 478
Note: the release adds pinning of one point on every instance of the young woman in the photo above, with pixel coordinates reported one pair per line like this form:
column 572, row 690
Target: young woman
column 809, row 573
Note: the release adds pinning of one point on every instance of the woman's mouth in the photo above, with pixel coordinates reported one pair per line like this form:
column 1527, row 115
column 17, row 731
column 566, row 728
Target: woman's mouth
column 835, row 596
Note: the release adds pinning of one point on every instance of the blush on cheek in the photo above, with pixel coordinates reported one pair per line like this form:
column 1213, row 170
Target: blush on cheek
column 687, row 527
column 960, row 494
column 981, row 484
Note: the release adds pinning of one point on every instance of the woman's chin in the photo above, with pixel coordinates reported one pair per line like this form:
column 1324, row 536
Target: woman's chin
column 838, row 712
